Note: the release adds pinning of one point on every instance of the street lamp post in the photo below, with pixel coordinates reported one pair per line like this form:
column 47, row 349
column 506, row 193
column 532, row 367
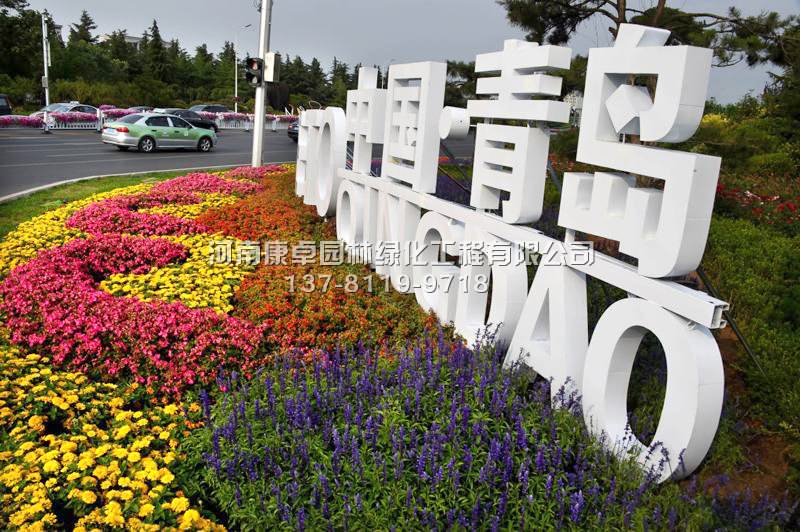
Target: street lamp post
column 46, row 77
column 236, row 70
column 261, row 89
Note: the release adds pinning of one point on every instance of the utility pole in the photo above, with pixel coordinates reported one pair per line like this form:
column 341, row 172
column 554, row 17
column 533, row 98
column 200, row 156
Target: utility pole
column 261, row 89
column 45, row 78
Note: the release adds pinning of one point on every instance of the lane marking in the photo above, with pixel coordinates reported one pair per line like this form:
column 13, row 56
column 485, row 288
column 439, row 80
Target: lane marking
column 81, row 154
column 29, row 191
column 129, row 159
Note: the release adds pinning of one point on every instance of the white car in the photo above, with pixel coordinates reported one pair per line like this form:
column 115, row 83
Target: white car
column 71, row 107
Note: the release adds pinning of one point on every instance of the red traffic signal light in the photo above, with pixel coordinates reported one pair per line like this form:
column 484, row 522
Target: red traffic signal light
column 254, row 70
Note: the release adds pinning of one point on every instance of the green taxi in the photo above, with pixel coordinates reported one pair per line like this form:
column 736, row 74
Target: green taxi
column 148, row 132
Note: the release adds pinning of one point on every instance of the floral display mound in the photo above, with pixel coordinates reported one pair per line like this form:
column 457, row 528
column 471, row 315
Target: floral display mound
column 439, row 437
column 145, row 387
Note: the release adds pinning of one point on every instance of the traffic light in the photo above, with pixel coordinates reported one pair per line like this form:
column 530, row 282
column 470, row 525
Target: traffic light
column 254, row 70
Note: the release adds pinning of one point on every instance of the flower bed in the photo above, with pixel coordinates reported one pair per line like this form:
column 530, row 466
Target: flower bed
column 20, row 121
column 319, row 317
column 86, row 453
column 73, row 118
column 442, row 438
column 116, row 113
column 144, row 386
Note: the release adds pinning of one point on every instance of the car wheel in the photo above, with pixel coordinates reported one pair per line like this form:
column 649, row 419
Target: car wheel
column 147, row 145
column 123, row 148
column 204, row 145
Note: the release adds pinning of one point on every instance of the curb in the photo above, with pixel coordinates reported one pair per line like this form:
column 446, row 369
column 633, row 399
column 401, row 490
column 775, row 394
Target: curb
column 28, row 192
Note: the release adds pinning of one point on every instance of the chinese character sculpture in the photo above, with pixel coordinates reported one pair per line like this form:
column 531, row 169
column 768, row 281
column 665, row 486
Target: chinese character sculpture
column 449, row 255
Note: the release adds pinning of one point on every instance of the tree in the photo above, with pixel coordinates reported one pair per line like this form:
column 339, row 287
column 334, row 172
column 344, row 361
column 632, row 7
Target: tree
column 21, row 40
column 318, row 81
column 82, row 31
column 555, row 21
column 155, row 55
column 461, row 81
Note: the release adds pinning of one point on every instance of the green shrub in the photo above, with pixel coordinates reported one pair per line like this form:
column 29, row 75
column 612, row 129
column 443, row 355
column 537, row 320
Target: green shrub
column 755, row 269
column 776, row 163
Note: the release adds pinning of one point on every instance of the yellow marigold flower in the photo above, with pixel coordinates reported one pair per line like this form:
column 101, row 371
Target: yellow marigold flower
column 134, row 457
column 119, row 453
column 146, row 510
column 170, row 410
column 85, row 463
column 51, row 466
column 88, row 497
column 116, row 402
column 166, row 476
column 100, row 472
column 179, row 504
column 101, row 450
column 37, row 423
column 164, row 435
column 68, row 446
column 113, row 514
column 72, row 476
column 121, row 432
column 188, row 518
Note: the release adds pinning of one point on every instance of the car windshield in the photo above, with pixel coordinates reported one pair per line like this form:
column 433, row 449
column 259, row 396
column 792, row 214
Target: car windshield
column 53, row 107
column 3, row 100
column 130, row 119
column 197, row 107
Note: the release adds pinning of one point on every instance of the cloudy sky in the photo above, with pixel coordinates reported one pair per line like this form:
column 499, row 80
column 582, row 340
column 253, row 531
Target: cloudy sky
column 374, row 31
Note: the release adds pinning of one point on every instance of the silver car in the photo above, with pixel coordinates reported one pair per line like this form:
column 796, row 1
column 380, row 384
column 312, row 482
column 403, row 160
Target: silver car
column 71, row 107
column 151, row 131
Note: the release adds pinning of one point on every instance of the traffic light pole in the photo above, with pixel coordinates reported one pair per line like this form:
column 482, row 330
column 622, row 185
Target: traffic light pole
column 261, row 89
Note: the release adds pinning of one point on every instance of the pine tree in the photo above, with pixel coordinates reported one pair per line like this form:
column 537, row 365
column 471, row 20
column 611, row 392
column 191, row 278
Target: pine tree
column 82, row 31
column 155, row 55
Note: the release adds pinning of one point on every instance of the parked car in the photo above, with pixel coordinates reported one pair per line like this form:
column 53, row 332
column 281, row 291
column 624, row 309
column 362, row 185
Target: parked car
column 209, row 108
column 191, row 117
column 149, row 132
column 71, row 107
column 140, row 108
column 5, row 105
column 294, row 130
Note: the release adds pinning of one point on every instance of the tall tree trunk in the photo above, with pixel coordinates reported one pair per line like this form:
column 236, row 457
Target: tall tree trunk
column 621, row 14
column 659, row 12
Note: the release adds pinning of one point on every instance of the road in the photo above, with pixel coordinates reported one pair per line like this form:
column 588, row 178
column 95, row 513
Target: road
column 31, row 159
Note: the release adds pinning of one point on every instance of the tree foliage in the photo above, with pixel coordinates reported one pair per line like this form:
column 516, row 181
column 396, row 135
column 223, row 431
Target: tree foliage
column 731, row 35
column 156, row 71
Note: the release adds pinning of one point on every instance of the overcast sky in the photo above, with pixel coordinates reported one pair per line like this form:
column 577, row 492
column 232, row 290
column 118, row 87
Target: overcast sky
column 373, row 31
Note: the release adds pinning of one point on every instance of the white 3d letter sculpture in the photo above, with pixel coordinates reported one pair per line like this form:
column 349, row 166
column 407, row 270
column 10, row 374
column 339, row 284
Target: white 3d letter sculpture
column 545, row 327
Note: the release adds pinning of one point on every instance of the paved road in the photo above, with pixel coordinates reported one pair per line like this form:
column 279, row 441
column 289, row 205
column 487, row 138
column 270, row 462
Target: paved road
column 30, row 159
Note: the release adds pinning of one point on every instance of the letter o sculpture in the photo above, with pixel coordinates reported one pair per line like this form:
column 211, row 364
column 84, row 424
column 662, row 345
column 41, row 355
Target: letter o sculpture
column 695, row 384
column 331, row 151
column 350, row 213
